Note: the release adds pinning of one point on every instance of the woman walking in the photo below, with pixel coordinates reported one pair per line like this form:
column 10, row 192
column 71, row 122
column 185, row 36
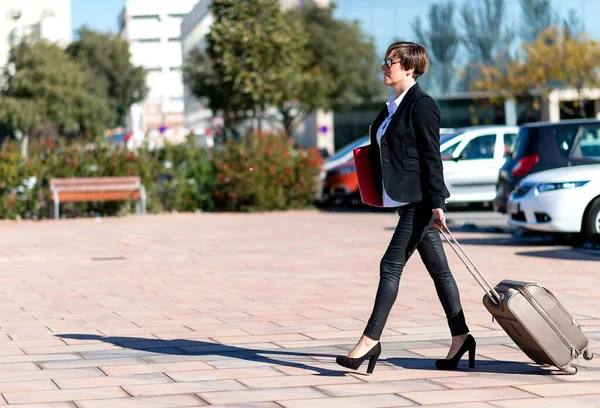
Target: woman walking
column 407, row 169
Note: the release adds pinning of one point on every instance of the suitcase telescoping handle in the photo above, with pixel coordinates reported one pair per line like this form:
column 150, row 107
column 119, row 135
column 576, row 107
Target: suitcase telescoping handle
column 483, row 282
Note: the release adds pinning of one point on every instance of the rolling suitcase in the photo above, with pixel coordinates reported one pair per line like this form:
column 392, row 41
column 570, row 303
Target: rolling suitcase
column 532, row 316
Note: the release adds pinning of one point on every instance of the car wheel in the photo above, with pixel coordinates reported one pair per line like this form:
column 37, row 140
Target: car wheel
column 590, row 228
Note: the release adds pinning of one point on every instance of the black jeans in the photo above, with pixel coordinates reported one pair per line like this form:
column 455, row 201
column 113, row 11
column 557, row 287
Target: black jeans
column 415, row 231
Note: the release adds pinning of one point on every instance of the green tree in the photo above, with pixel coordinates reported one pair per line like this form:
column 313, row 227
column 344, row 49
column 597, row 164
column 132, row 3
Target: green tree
column 442, row 41
column 259, row 57
column 46, row 88
column 254, row 53
column 107, row 56
column 339, row 67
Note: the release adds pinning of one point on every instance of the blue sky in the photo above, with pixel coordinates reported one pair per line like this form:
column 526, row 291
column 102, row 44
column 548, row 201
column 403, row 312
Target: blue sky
column 99, row 15
column 386, row 20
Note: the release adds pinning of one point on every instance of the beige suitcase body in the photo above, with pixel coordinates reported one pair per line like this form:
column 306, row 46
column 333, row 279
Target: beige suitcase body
column 533, row 318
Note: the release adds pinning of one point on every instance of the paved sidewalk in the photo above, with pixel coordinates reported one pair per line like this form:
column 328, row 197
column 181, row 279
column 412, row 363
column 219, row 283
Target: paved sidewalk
column 249, row 310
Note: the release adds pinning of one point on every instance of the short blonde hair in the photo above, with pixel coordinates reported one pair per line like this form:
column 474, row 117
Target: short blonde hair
column 410, row 55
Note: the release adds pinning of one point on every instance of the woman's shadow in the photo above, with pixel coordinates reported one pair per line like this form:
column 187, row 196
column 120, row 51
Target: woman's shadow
column 201, row 348
column 184, row 347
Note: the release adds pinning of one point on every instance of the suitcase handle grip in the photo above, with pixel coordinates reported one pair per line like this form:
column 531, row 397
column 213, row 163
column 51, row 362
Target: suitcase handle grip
column 460, row 252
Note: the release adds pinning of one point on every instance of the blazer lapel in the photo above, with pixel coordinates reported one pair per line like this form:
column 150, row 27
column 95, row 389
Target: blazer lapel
column 400, row 111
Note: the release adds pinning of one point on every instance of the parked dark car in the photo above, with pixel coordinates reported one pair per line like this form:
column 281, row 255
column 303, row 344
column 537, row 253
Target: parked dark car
column 543, row 146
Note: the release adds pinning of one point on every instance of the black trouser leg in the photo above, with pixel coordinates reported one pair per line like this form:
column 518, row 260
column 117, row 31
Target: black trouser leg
column 414, row 231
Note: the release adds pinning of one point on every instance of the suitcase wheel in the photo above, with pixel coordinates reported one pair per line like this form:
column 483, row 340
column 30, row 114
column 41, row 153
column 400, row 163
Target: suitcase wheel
column 588, row 355
column 572, row 370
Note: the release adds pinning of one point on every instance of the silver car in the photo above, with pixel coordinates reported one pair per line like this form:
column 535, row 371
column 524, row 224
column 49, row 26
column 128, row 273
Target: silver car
column 472, row 158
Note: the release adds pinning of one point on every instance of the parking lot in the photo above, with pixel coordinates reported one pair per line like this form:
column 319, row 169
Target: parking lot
column 251, row 309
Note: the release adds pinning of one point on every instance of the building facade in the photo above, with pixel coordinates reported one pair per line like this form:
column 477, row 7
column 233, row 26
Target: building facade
column 41, row 19
column 387, row 22
column 153, row 30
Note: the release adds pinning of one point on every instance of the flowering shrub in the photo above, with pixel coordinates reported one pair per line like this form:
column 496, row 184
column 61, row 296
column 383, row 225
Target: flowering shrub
column 266, row 173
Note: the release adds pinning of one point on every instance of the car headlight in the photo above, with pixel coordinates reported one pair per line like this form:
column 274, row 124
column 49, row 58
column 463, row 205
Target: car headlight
column 543, row 187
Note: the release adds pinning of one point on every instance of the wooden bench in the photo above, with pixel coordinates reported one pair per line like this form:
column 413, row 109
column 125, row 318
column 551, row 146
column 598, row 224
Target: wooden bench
column 69, row 190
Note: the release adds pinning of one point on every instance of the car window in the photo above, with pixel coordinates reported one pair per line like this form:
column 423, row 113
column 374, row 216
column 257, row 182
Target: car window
column 349, row 147
column 447, row 152
column 480, row 147
column 509, row 140
column 589, row 143
column 525, row 142
column 565, row 136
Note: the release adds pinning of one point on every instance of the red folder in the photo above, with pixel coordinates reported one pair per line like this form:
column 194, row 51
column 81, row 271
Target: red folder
column 368, row 192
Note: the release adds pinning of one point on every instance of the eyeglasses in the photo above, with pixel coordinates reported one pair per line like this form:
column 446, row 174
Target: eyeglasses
column 388, row 62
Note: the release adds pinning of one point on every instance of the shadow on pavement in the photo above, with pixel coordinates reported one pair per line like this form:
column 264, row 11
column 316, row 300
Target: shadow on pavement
column 277, row 357
column 573, row 254
column 202, row 348
column 507, row 240
column 485, row 366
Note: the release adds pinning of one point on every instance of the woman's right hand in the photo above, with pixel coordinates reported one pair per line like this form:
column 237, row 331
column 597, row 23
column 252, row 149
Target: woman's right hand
column 439, row 219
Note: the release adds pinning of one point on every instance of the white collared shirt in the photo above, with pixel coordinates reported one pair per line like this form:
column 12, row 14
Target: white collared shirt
column 392, row 104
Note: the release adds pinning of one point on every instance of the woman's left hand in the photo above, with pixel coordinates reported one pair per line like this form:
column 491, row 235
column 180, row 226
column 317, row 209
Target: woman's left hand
column 439, row 219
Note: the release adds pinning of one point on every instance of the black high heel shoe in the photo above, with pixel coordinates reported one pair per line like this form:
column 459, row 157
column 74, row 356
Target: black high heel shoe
column 354, row 363
column 451, row 363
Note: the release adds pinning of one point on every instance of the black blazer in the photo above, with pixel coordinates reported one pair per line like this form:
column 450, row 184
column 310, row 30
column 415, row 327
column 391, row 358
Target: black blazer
column 411, row 164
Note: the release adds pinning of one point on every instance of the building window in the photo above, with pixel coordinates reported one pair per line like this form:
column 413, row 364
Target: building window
column 146, row 17
column 155, row 69
column 147, row 40
column 177, row 15
column 175, row 69
column 178, row 39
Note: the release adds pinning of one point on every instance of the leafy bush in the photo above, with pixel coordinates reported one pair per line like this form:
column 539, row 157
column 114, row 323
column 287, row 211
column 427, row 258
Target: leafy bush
column 265, row 173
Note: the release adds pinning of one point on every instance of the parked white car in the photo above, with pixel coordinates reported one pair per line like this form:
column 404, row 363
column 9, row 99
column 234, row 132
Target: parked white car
column 563, row 200
column 472, row 158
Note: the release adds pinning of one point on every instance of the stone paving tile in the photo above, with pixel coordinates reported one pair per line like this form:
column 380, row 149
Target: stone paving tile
column 7, row 377
column 324, row 368
column 32, row 343
column 242, row 397
column 297, row 381
column 183, row 388
column 27, row 386
column 364, row 401
column 461, row 405
column 155, row 368
column 456, row 396
column 112, row 381
column 63, row 395
column 251, row 405
column 384, row 387
column 49, row 405
column 166, row 401
column 11, row 367
column 579, row 401
column 559, row 390
column 59, row 365
column 68, row 349
column 380, row 375
column 234, row 373
column 473, row 381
